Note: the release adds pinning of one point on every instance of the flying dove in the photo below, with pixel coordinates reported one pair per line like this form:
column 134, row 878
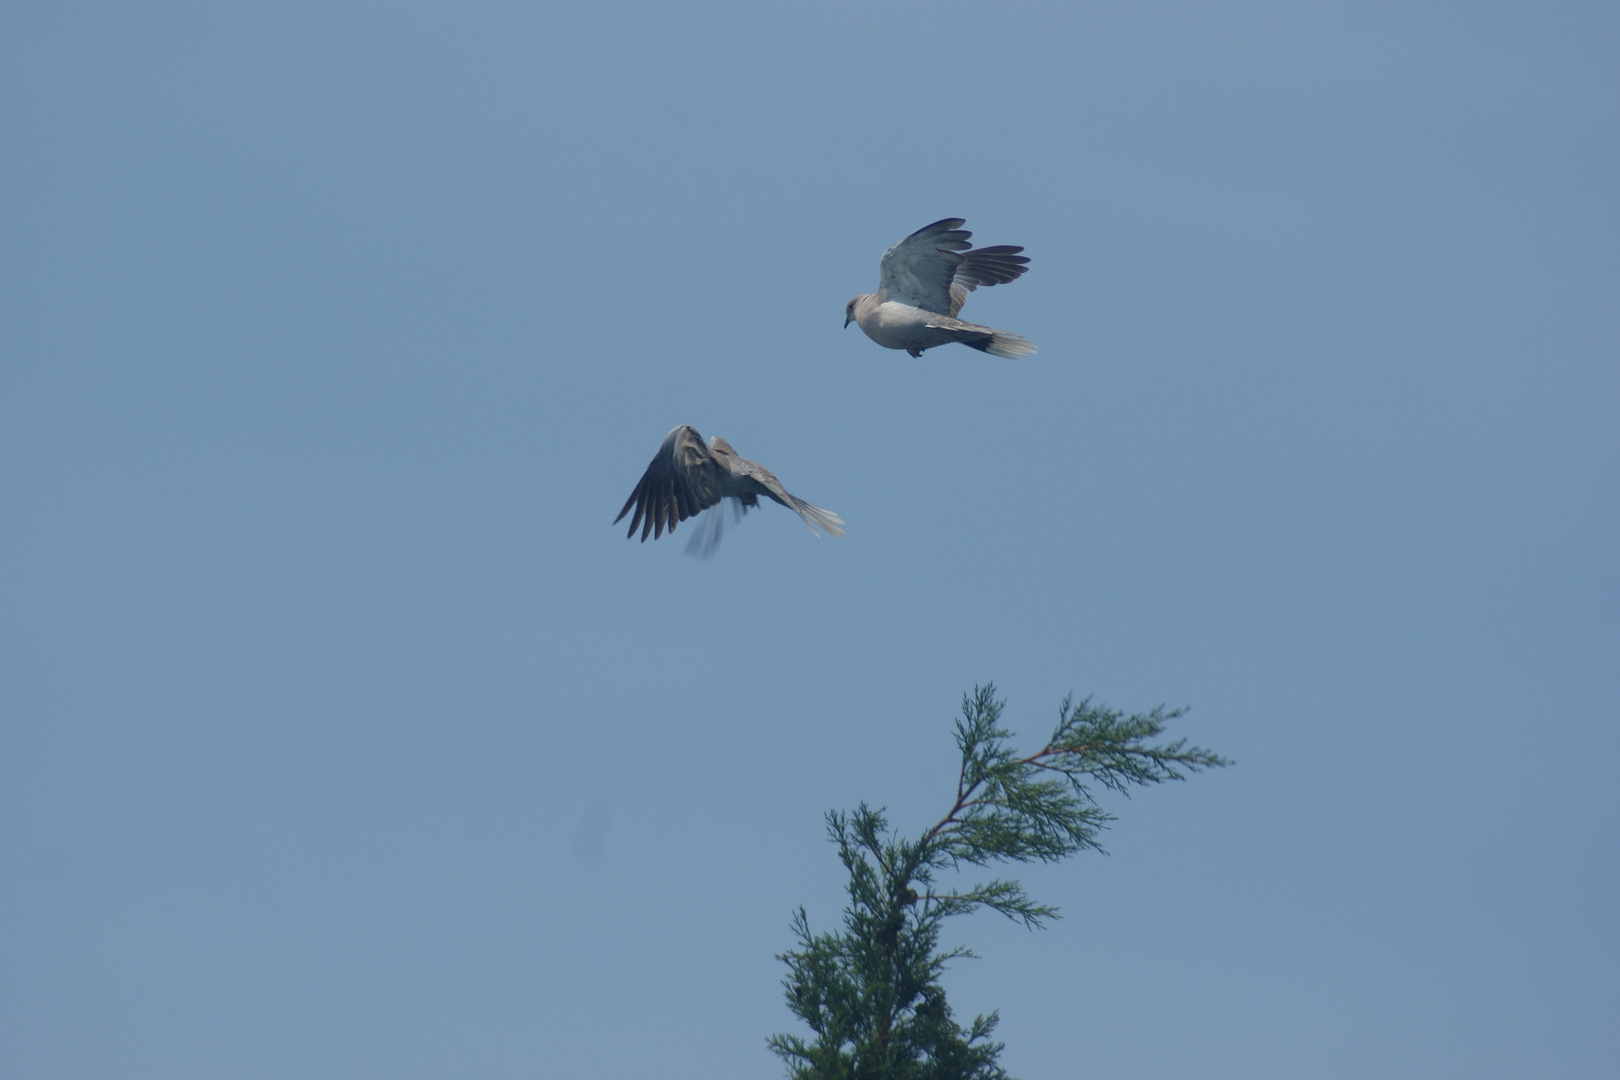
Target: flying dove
column 685, row 478
column 923, row 281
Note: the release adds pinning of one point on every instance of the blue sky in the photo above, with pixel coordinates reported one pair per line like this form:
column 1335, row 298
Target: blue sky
column 341, row 735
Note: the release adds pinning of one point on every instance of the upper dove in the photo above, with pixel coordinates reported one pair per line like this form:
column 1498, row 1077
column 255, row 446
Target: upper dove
column 923, row 281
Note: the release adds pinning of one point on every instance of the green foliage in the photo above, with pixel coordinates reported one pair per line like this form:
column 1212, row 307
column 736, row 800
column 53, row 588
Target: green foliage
column 871, row 992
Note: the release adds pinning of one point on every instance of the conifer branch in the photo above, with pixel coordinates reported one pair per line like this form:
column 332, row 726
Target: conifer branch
column 870, row 993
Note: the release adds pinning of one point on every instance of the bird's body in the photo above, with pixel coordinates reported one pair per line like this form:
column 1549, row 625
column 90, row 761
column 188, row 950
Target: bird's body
column 895, row 325
column 923, row 281
column 686, row 477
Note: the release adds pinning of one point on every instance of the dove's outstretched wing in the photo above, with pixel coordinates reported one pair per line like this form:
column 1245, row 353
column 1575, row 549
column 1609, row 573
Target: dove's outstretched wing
column 919, row 270
column 682, row 480
column 985, row 266
column 936, row 267
column 752, row 478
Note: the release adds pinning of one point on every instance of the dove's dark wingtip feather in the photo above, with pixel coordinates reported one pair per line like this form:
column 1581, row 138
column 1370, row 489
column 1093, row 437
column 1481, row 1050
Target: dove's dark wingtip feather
column 634, row 500
column 631, row 501
column 994, row 266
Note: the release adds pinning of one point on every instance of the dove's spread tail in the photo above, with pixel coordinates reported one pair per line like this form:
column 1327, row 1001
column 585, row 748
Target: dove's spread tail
column 1008, row 346
column 1005, row 345
column 815, row 516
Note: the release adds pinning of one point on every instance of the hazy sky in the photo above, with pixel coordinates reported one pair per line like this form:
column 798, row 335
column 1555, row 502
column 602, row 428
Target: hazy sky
column 342, row 736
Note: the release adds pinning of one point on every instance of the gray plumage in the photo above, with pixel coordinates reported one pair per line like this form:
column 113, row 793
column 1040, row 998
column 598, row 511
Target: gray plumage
column 686, row 477
column 923, row 281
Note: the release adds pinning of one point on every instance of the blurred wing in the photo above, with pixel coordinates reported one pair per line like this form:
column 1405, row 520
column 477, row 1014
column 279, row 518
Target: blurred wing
column 919, row 270
column 706, row 536
column 985, row 266
column 682, row 480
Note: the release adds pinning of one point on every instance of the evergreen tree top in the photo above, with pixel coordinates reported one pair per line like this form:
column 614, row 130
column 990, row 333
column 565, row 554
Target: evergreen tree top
column 871, row 992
